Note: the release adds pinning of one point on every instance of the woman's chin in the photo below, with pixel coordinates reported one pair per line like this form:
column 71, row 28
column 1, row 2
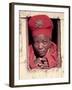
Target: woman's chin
column 41, row 54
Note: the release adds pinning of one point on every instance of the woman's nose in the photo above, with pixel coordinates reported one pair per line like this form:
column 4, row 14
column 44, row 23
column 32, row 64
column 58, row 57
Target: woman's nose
column 40, row 46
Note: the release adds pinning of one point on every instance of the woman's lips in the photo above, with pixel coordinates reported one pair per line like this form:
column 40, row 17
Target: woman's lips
column 41, row 52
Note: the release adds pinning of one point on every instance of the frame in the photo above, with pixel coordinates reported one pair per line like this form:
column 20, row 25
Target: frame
column 20, row 73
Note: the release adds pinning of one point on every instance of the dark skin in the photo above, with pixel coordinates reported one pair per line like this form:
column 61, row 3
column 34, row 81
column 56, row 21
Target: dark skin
column 41, row 45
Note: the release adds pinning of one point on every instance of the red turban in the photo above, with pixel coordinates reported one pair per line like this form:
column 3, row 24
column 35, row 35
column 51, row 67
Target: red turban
column 41, row 24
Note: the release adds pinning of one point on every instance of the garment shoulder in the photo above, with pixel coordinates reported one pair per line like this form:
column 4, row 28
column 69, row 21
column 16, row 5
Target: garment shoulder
column 53, row 47
column 53, row 44
column 30, row 47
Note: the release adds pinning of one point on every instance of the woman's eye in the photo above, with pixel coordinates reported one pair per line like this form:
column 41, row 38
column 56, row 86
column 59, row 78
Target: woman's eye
column 44, row 42
column 36, row 42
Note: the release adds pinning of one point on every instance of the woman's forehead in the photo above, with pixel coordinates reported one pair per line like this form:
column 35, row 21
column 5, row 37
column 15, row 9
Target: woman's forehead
column 40, row 37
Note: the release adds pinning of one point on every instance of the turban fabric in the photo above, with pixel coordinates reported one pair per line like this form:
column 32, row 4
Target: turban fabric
column 40, row 24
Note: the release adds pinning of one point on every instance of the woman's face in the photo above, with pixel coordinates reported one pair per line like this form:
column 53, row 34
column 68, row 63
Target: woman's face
column 41, row 44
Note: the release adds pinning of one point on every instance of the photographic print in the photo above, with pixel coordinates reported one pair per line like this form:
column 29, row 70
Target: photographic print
column 39, row 44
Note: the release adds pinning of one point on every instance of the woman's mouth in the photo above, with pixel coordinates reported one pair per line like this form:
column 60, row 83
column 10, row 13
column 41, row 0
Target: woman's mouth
column 41, row 52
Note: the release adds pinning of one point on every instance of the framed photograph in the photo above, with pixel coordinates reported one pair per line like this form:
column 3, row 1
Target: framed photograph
column 39, row 44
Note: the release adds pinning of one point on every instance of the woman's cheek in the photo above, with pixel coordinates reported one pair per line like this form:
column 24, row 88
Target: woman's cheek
column 36, row 46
